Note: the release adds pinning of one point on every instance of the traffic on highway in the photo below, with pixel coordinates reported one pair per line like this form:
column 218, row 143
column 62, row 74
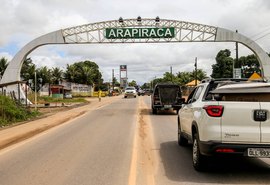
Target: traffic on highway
column 120, row 142
column 93, row 94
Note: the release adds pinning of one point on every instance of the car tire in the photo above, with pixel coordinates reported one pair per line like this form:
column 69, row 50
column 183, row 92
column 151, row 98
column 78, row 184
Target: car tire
column 182, row 141
column 198, row 160
column 154, row 111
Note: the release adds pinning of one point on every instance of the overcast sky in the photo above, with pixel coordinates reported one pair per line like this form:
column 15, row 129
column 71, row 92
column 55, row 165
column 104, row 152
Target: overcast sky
column 24, row 20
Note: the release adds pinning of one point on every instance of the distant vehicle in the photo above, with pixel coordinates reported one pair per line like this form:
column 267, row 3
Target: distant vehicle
column 68, row 96
column 140, row 92
column 148, row 92
column 167, row 96
column 130, row 92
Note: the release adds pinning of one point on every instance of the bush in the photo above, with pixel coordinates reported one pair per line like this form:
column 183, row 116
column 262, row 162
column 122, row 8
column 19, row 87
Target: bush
column 11, row 112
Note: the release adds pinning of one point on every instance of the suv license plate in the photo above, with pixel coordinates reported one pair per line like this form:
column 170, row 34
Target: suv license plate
column 259, row 152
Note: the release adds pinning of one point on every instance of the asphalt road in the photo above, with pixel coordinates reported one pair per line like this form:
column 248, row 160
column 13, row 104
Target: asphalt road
column 119, row 144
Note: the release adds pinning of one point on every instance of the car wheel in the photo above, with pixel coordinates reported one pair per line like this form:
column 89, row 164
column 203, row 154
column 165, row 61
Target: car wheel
column 199, row 160
column 182, row 141
column 154, row 111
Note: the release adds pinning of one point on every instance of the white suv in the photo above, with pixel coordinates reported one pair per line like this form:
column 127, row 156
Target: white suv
column 130, row 92
column 226, row 117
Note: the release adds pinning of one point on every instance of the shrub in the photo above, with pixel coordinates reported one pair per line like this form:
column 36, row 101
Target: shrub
column 11, row 112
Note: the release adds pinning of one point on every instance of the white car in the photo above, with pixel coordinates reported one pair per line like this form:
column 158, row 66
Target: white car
column 226, row 118
column 130, row 92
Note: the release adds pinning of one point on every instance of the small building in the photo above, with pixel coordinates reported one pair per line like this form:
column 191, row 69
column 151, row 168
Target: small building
column 57, row 91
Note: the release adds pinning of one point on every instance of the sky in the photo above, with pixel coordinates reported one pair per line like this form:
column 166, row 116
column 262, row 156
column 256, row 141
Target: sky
column 24, row 20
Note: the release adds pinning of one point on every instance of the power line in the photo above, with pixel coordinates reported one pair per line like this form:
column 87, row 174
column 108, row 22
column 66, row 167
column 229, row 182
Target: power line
column 262, row 36
column 261, row 32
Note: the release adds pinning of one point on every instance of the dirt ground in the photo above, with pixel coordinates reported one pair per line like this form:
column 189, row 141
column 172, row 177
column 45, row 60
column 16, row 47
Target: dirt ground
column 47, row 111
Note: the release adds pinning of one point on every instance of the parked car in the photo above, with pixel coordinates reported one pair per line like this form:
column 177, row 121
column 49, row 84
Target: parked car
column 68, row 96
column 130, row 92
column 166, row 96
column 226, row 117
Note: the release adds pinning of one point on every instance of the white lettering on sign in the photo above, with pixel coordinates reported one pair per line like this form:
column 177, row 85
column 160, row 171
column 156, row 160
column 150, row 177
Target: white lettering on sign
column 116, row 33
column 112, row 33
column 168, row 33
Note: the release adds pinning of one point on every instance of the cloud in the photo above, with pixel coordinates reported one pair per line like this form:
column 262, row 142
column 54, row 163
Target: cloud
column 26, row 20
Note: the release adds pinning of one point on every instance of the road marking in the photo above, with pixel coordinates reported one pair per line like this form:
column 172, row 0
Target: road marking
column 134, row 156
column 143, row 158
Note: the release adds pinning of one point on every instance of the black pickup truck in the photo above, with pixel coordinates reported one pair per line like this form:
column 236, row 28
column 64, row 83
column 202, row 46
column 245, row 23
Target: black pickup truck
column 166, row 96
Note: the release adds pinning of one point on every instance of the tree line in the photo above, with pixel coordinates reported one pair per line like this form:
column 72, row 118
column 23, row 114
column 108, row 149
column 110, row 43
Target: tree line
column 223, row 68
column 84, row 72
column 87, row 72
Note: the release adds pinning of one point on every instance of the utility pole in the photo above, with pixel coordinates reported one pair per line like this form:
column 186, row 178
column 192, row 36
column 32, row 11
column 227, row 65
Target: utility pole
column 171, row 75
column 236, row 57
column 112, row 79
column 35, row 90
column 195, row 65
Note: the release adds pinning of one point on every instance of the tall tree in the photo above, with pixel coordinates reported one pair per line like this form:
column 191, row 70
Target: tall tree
column 86, row 72
column 45, row 74
column 168, row 77
column 28, row 69
column 133, row 83
column 249, row 64
column 184, row 77
column 3, row 66
column 223, row 66
column 200, row 74
column 70, row 73
column 57, row 75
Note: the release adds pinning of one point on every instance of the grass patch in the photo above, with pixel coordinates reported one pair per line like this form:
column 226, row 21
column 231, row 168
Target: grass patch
column 47, row 99
column 10, row 112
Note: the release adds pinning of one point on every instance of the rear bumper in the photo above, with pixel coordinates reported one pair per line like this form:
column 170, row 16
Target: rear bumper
column 211, row 148
column 130, row 94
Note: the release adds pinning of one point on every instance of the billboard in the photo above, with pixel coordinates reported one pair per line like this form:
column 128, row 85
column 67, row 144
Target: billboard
column 123, row 67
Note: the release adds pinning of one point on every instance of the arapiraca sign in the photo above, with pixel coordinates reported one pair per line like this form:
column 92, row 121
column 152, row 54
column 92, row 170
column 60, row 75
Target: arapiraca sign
column 139, row 33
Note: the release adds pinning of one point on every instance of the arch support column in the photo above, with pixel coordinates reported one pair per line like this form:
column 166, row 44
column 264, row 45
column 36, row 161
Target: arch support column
column 224, row 35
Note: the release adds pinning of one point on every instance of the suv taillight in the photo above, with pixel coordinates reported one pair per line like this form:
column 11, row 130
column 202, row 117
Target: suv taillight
column 214, row 110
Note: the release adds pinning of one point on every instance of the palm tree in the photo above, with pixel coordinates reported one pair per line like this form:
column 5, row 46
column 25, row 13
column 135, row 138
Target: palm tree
column 87, row 74
column 57, row 75
column 71, row 73
column 28, row 69
column 45, row 74
column 3, row 65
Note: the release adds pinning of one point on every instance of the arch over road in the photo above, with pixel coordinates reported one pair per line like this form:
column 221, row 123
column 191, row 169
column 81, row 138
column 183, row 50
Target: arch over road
column 106, row 32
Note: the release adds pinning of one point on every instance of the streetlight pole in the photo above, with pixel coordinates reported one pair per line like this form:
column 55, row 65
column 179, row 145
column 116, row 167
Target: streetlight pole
column 112, row 79
column 236, row 59
column 195, row 71
column 35, row 90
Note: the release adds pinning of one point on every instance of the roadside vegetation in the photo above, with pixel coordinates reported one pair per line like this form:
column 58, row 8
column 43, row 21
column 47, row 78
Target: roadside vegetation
column 87, row 72
column 223, row 68
column 10, row 112
column 47, row 99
